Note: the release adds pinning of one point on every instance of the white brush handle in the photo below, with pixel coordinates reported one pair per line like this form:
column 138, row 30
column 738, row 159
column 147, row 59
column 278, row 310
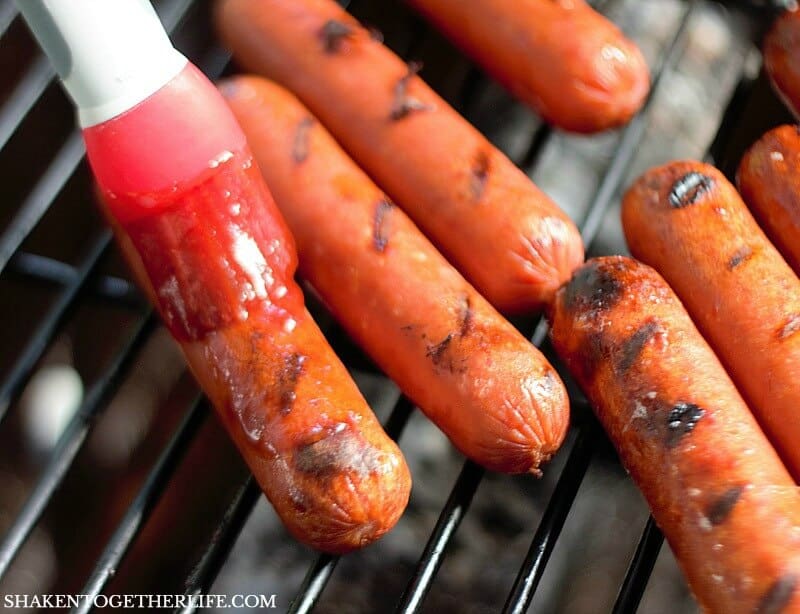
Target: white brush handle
column 110, row 54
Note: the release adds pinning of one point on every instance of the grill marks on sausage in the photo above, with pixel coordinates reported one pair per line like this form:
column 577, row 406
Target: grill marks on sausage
column 479, row 174
column 466, row 316
column 436, row 352
column 287, row 381
column 300, row 147
column 632, row 347
column 789, row 328
column 778, row 596
column 404, row 104
column 593, row 287
column 340, row 450
column 741, row 255
column 689, row 189
column 380, row 224
column 682, row 419
column 333, row 33
column 721, row 508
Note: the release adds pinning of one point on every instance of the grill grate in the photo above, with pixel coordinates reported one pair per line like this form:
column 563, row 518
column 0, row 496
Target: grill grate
column 76, row 283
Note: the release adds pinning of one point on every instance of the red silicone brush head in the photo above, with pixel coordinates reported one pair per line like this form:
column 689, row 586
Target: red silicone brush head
column 170, row 141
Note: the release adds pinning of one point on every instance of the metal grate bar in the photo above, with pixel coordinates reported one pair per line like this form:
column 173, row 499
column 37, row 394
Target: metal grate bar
column 454, row 511
column 632, row 135
column 24, row 96
column 632, row 589
column 146, row 499
column 550, row 526
column 49, row 270
column 70, row 444
column 42, row 196
column 47, row 329
column 8, row 12
column 313, row 584
column 206, row 571
column 534, row 150
column 61, row 168
column 321, row 569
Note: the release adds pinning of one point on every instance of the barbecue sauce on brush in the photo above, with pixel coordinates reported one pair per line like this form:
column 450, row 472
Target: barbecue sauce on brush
column 214, row 254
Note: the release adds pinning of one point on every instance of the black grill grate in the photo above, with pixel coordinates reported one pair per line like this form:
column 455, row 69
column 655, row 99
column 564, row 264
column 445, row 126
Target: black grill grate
column 85, row 280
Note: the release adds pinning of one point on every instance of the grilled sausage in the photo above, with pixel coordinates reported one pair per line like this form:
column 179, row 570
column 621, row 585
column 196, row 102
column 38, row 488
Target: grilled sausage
column 504, row 235
column 688, row 222
column 467, row 368
column 727, row 506
column 579, row 72
column 769, row 182
column 219, row 266
column 781, row 49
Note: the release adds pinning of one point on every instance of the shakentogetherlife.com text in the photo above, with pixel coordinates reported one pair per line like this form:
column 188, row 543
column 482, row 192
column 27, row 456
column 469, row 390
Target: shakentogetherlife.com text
column 147, row 602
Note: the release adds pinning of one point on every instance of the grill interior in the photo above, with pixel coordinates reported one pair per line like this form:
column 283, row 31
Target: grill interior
column 113, row 475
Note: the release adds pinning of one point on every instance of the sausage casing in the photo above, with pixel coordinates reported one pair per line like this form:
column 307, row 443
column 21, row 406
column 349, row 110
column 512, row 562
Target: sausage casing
column 484, row 214
column 688, row 222
column 579, row 71
column 769, row 182
column 468, row 369
column 717, row 489
column 218, row 264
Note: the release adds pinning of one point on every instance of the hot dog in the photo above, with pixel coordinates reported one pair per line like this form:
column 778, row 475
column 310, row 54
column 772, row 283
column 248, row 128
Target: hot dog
column 219, row 266
column 727, row 506
column 467, row 368
column 768, row 182
column 503, row 234
column 564, row 59
column 688, row 222
column 781, row 48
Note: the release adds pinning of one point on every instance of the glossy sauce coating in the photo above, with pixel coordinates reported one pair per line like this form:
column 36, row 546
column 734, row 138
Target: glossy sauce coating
column 769, row 182
column 218, row 262
column 727, row 506
column 689, row 223
column 467, row 368
column 781, row 52
column 564, row 59
column 499, row 230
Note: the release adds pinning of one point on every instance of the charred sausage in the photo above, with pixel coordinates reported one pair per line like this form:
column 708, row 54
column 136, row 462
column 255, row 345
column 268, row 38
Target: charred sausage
column 769, row 182
column 219, row 266
column 502, row 233
column 563, row 58
column 727, row 506
column 781, row 49
column 689, row 223
column 467, row 368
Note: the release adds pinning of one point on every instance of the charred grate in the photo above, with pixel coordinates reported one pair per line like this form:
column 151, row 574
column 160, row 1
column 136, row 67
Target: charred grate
column 84, row 280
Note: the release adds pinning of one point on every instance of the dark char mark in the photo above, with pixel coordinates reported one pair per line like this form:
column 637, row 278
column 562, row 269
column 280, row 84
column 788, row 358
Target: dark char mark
column 778, row 595
column 593, row 287
column 741, row 255
column 720, row 509
column 790, row 327
column 332, row 35
column 404, row 104
column 688, row 189
column 341, row 450
column 479, row 174
column 380, row 224
column 632, row 347
column 287, row 381
column 301, row 137
column 466, row 316
column 437, row 351
column 682, row 419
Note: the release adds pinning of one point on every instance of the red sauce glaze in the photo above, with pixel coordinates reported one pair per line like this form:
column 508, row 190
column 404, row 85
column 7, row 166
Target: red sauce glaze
column 217, row 251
